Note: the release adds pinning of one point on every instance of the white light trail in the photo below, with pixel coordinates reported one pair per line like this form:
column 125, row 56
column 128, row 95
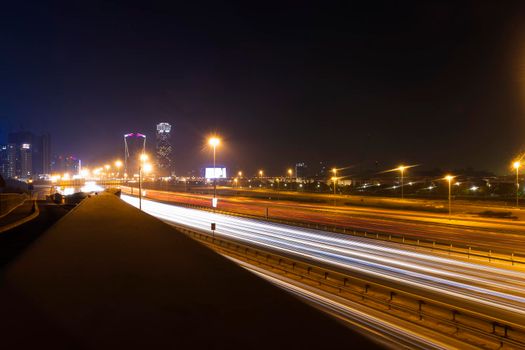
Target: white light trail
column 491, row 287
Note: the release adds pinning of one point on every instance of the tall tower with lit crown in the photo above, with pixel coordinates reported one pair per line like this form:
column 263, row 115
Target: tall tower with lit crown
column 164, row 149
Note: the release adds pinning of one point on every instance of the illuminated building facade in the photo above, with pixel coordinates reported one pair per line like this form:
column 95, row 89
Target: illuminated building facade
column 8, row 160
column 164, row 150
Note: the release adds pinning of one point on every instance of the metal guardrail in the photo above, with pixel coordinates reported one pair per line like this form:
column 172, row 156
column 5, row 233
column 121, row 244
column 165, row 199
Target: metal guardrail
column 451, row 320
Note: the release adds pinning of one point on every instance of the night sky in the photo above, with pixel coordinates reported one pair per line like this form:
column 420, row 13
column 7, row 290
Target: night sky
column 427, row 82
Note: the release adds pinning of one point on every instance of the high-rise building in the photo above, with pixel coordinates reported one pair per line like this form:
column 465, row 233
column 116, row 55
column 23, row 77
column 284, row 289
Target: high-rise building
column 301, row 170
column 164, row 150
column 42, row 154
column 23, row 141
column 33, row 153
column 46, row 154
column 65, row 164
column 26, row 160
column 8, row 160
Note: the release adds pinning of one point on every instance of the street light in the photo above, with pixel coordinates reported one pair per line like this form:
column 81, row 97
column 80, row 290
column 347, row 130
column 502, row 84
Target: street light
column 334, row 179
column 260, row 173
column 118, row 165
column 214, row 142
column 517, row 165
column 402, row 169
column 143, row 158
column 290, row 173
column 449, row 178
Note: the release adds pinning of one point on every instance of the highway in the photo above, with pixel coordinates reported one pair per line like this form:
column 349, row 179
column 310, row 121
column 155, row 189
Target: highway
column 493, row 291
column 386, row 329
column 495, row 234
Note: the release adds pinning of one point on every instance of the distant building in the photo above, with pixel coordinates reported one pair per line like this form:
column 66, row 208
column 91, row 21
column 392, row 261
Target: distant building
column 26, row 160
column 32, row 154
column 42, row 155
column 65, row 164
column 8, row 160
column 23, row 141
column 321, row 171
column 301, row 170
column 164, row 150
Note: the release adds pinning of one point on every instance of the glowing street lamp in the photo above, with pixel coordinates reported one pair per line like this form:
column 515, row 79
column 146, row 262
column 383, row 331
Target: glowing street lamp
column 118, row 165
column 214, row 142
column 290, row 173
column 260, row 173
column 402, row 169
column 449, row 178
column 334, row 180
column 517, row 166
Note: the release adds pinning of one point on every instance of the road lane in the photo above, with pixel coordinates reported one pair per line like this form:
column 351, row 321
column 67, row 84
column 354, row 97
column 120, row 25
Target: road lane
column 390, row 330
column 487, row 234
column 494, row 291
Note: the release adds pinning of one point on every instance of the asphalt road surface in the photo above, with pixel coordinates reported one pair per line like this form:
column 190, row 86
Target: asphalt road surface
column 495, row 234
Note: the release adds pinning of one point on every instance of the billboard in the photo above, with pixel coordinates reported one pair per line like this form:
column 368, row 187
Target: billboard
column 215, row 173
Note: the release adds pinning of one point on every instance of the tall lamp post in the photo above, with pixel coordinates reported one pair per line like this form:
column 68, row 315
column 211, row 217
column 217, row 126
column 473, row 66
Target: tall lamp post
column 142, row 160
column 214, row 142
column 260, row 178
column 517, row 165
column 402, row 169
column 290, row 173
column 449, row 178
column 334, row 180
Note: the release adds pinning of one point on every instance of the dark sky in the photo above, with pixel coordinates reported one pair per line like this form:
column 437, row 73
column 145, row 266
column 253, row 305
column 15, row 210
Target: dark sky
column 348, row 83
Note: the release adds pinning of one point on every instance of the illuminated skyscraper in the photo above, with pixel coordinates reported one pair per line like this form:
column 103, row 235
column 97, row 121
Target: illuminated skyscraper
column 164, row 150
column 8, row 160
column 23, row 141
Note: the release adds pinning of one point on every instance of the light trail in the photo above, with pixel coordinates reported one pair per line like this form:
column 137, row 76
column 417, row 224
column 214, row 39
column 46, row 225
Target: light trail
column 494, row 291
column 390, row 330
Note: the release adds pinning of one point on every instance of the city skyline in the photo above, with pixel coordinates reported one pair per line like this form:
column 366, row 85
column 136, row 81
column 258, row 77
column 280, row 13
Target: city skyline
column 366, row 168
column 288, row 175
column 348, row 83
